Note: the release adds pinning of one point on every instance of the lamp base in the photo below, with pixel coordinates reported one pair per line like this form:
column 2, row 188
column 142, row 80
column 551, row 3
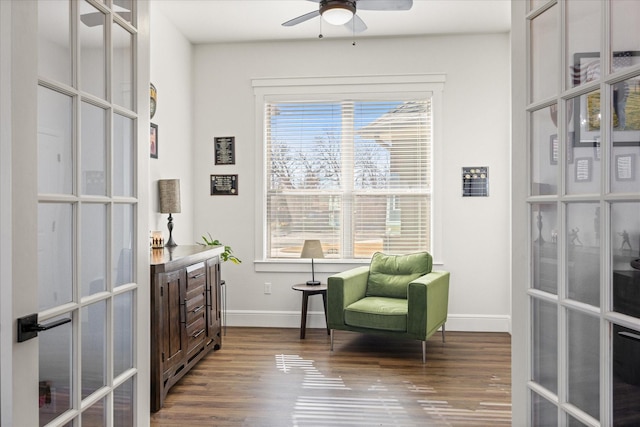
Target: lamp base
column 313, row 283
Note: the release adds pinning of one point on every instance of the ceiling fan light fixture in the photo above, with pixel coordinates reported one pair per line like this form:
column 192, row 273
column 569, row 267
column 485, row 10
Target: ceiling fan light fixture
column 337, row 12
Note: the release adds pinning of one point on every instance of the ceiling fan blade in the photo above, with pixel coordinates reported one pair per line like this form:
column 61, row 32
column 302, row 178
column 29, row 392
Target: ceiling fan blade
column 301, row 18
column 356, row 24
column 384, row 4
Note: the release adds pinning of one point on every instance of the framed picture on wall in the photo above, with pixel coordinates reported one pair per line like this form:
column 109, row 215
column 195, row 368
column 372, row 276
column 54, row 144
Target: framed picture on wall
column 225, row 150
column 583, row 169
column 153, row 141
column 625, row 167
column 554, row 147
column 625, row 99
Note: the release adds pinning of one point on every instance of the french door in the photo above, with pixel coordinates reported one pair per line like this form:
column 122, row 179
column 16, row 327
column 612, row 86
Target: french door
column 580, row 207
column 79, row 165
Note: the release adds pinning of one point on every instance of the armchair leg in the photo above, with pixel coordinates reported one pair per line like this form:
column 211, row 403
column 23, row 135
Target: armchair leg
column 332, row 330
column 424, row 352
column 443, row 332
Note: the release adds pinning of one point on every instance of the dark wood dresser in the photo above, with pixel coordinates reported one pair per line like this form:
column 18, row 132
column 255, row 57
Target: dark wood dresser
column 185, row 313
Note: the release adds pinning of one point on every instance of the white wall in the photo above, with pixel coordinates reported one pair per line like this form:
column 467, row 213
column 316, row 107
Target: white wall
column 171, row 65
column 476, row 231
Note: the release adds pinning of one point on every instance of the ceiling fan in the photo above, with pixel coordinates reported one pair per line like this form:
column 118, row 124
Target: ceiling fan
column 343, row 12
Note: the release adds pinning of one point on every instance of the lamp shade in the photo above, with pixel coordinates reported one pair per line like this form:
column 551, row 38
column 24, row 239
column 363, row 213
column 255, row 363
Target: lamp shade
column 169, row 190
column 312, row 249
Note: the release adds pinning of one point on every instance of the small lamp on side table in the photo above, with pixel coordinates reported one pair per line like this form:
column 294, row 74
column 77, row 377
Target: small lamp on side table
column 312, row 249
column 169, row 191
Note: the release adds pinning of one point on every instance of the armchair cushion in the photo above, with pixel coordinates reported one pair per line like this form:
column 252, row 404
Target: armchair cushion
column 386, row 314
column 390, row 275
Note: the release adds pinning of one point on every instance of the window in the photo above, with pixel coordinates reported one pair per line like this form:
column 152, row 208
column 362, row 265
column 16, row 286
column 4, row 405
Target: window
column 354, row 172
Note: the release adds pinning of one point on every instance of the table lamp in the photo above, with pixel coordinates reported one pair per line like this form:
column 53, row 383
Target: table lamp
column 169, row 191
column 312, row 249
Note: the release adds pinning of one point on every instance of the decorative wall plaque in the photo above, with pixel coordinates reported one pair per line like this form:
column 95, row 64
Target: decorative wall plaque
column 224, row 185
column 225, row 150
column 475, row 181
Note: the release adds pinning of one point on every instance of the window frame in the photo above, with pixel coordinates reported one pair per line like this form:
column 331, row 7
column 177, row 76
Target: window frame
column 403, row 87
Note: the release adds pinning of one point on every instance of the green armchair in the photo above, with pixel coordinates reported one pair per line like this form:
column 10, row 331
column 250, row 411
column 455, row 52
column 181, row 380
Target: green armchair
column 396, row 295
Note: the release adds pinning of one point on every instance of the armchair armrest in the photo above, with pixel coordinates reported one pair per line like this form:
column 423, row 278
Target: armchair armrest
column 343, row 289
column 428, row 303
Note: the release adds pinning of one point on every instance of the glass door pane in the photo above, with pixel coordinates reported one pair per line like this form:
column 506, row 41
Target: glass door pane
column 122, row 67
column 583, row 358
column 544, row 151
column 544, row 54
column 583, row 253
column 583, row 39
column 94, row 150
column 92, row 50
column 55, row 254
column 55, row 143
column 545, row 344
column 54, row 40
column 93, row 257
column 56, row 372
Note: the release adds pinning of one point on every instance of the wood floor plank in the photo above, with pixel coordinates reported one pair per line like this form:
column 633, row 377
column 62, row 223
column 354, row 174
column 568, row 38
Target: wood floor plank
column 267, row 377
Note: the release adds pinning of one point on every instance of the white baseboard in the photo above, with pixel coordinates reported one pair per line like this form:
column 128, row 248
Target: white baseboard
column 315, row 319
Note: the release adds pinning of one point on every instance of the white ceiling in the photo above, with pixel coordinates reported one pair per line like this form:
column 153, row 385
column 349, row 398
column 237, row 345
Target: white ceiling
column 223, row 21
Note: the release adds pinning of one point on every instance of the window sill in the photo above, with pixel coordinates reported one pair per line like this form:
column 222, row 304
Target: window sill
column 304, row 265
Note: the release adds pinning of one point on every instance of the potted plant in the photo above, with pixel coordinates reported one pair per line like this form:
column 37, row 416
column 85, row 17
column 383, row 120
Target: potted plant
column 227, row 254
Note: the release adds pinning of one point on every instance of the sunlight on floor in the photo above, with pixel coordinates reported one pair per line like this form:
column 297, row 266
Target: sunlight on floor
column 380, row 410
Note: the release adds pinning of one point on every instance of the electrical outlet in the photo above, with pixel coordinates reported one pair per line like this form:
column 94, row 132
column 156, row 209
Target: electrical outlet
column 267, row 288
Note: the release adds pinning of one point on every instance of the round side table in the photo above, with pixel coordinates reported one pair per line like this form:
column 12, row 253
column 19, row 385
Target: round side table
column 308, row 290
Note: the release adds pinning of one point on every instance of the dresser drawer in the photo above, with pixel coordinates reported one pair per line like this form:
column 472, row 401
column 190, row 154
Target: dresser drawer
column 196, row 276
column 194, row 307
column 196, row 332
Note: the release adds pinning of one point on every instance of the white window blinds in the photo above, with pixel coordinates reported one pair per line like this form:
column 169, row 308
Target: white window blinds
column 354, row 174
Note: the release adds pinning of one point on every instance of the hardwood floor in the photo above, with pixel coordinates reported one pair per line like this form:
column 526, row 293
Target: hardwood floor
column 270, row 377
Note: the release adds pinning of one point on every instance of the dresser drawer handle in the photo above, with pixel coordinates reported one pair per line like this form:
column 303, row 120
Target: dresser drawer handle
column 196, row 335
column 197, row 309
column 195, row 276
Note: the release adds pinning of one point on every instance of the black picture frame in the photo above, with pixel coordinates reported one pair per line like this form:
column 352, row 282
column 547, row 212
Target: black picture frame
column 586, row 109
column 225, row 150
column 224, row 185
column 153, row 141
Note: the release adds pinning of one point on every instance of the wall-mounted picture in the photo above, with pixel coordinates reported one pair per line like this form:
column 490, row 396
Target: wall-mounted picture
column 625, row 99
column 583, row 169
column 554, row 147
column 153, row 141
column 224, row 185
column 225, row 150
column 625, row 167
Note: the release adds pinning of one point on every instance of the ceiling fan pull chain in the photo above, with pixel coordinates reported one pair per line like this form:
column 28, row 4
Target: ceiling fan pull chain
column 320, row 35
column 353, row 29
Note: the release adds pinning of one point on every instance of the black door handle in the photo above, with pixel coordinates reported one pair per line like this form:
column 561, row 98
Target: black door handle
column 28, row 326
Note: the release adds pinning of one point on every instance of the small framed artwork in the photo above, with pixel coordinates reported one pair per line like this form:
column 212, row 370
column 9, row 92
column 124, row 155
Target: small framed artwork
column 583, row 169
column 153, row 141
column 553, row 149
column 224, row 185
column 625, row 167
column 225, row 150
column 475, row 181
